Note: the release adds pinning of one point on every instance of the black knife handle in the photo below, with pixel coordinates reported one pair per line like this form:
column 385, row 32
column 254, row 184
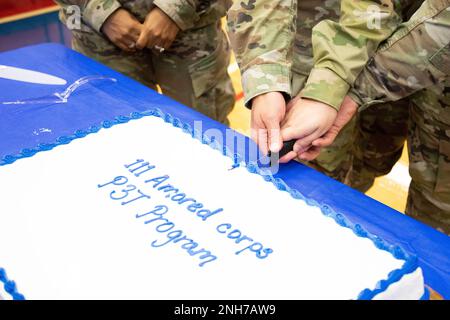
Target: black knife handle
column 288, row 146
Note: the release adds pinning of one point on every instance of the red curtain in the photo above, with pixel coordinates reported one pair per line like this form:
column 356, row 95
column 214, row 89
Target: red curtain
column 12, row 7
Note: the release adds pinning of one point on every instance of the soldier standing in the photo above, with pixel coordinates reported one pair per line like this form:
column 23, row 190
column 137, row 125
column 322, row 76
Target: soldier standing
column 414, row 65
column 176, row 44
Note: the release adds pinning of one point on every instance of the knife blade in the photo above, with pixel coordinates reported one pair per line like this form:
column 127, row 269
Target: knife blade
column 30, row 76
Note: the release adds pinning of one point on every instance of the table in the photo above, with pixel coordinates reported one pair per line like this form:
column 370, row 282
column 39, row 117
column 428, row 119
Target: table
column 26, row 126
column 13, row 9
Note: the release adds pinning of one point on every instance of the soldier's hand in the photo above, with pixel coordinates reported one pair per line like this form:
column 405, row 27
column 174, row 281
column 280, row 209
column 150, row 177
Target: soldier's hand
column 346, row 112
column 122, row 29
column 159, row 31
column 306, row 121
column 268, row 110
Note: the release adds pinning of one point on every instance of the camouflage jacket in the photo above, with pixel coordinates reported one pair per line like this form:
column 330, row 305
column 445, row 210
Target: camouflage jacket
column 187, row 14
column 263, row 34
column 417, row 56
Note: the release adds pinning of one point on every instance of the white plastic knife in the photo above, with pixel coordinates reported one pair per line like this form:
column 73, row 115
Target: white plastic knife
column 30, row 76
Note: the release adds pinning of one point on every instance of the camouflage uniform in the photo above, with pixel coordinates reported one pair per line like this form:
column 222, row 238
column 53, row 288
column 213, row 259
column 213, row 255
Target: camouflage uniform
column 415, row 63
column 272, row 60
column 373, row 142
column 193, row 71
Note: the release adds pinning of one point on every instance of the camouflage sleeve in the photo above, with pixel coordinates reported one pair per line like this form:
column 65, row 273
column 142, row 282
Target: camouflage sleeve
column 417, row 56
column 183, row 12
column 94, row 12
column 262, row 34
column 342, row 49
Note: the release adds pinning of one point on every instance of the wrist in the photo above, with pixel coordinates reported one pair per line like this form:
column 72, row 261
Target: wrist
column 96, row 15
column 111, row 19
column 262, row 98
column 352, row 94
column 184, row 15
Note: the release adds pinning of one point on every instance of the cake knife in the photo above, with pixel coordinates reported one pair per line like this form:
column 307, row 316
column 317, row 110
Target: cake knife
column 288, row 146
column 30, row 76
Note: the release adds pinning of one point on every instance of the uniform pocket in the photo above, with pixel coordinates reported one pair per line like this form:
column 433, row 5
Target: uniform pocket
column 443, row 174
column 89, row 42
column 206, row 72
column 441, row 60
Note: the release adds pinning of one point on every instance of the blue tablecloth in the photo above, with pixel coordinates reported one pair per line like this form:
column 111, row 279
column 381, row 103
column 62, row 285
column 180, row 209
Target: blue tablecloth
column 26, row 126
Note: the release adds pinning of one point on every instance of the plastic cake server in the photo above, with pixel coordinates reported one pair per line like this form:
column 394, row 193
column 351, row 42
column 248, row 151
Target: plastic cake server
column 61, row 97
column 30, row 76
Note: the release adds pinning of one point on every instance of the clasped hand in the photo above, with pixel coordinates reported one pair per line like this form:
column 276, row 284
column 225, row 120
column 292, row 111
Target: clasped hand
column 313, row 124
column 127, row 33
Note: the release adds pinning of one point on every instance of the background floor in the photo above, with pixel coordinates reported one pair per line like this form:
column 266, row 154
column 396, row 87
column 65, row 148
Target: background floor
column 20, row 27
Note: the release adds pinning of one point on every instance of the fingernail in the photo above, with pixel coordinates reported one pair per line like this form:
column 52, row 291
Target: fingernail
column 274, row 147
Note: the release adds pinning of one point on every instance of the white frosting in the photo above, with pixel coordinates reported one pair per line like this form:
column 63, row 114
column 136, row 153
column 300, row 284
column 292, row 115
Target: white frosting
column 67, row 239
column 407, row 286
column 3, row 294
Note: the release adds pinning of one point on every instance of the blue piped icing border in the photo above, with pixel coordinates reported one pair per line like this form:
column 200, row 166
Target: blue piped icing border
column 410, row 265
column 10, row 286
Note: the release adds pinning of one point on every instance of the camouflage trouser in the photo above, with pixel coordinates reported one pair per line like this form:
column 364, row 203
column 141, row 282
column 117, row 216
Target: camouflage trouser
column 193, row 71
column 371, row 144
column 429, row 157
column 378, row 139
column 368, row 147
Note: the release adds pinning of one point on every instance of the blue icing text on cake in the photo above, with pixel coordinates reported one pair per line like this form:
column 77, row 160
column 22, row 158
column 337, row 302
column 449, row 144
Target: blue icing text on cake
column 121, row 191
